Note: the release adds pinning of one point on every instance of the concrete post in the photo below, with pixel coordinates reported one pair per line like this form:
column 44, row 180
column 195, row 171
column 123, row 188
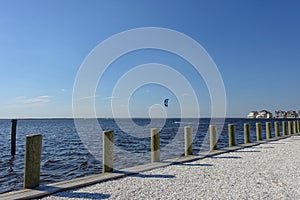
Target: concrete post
column 258, row 131
column 231, row 135
column 247, row 133
column 290, row 127
column 13, row 137
column 277, row 129
column 284, row 131
column 188, row 140
column 213, row 137
column 32, row 160
column 155, row 145
column 108, row 151
column 269, row 130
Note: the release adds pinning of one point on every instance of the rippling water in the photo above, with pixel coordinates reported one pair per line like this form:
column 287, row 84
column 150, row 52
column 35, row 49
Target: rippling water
column 68, row 153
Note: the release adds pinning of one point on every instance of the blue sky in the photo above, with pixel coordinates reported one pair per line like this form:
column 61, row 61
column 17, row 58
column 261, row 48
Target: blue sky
column 255, row 45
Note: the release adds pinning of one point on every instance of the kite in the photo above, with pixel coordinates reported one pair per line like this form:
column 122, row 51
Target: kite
column 166, row 102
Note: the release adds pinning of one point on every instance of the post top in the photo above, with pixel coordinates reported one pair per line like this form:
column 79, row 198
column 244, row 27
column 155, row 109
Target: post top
column 33, row 135
column 108, row 131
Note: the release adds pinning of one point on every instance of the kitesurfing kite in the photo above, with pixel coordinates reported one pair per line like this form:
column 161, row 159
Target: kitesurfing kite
column 166, row 102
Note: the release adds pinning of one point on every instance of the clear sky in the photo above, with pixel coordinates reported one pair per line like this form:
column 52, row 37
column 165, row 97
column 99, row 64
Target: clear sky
column 255, row 45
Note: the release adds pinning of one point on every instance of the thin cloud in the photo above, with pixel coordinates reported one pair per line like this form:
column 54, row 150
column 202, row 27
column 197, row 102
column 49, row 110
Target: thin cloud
column 89, row 97
column 34, row 100
column 110, row 98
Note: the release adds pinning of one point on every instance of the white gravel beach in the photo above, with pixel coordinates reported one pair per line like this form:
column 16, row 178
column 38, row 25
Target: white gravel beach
column 267, row 171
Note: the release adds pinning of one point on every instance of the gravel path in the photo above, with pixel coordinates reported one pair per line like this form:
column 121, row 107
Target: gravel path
column 267, row 171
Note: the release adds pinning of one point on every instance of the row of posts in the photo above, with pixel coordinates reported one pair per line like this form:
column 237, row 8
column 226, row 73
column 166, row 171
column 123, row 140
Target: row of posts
column 34, row 146
column 287, row 129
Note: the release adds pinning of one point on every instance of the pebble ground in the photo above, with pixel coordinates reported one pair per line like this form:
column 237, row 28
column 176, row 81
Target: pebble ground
column 267, row 171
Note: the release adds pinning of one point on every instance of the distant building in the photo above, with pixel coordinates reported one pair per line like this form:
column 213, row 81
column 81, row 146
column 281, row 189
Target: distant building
column 292, row 114
column 263, row 114
column 286, row 114
column 252, row 115
column 280, row 114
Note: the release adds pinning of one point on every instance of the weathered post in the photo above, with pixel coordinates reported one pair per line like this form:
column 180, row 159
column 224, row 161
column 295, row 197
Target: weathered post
column 155, row 145
column 258, row 132
column 188, row 140
column 13, row 137
column 33, row 151
column 108, row 151
column 290, row 127
column 284, row 132
column 231, row 135
column 295, row 127
column 277, row 130
column 247, row 133
column 298, row 126
column 213, row 137
column 269, row 130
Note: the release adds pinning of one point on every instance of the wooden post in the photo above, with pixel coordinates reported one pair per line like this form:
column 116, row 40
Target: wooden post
column 108, row 151
column 32, row 161
column 247, row 133
column 268, row 130
column 295, row 127
column 13, row 137
column 284, row 132
column 155, row 145
column 258, row 132
column 188, row 140
column 277, row 129
column 298, row 126
column 231, row 135
column 213, row 137
column 290, row 127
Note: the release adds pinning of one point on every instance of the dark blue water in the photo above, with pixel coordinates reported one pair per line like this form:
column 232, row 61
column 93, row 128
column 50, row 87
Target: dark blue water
column 65, row 156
